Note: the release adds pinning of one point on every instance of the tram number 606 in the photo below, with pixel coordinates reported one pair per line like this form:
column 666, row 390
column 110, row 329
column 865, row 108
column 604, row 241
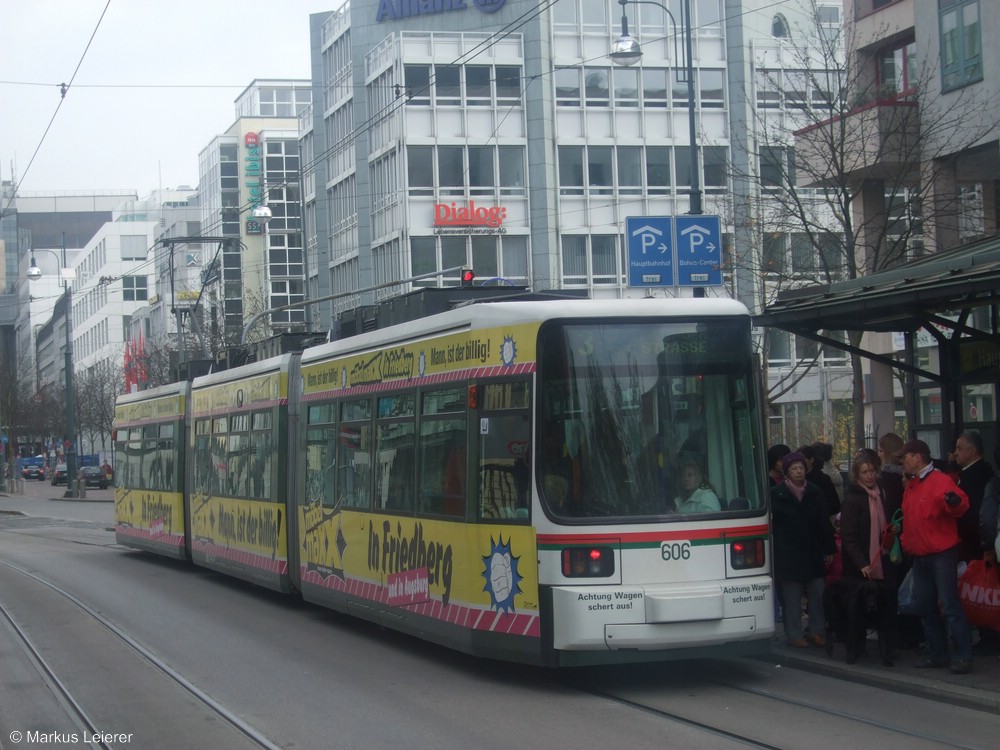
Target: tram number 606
column 675, row 550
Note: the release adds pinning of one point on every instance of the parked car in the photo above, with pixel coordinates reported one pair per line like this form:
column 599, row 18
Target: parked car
column 33, row 471
column 59, row 474
column 94, row 476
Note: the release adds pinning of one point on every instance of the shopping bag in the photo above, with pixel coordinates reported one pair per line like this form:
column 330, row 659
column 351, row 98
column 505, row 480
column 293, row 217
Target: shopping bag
column 979, row 592
column 890, row 537
column 912, row 599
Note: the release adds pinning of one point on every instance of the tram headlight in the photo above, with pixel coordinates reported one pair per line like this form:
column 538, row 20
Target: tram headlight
column 746, row 553
column 588, row 562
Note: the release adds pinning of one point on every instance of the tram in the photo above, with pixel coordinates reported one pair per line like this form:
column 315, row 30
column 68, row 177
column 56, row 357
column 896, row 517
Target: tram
column 551, row 482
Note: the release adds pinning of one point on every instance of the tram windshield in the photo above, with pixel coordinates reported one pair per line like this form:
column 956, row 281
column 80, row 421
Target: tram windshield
column 648, row 419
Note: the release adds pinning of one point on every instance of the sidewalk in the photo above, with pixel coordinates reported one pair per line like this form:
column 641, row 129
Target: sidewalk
column 979, row 690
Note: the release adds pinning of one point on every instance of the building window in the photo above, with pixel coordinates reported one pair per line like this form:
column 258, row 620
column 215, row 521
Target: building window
column 626, row 83
column 512, row 170
column 713, row 94
column 134, row 288
column 420, row 169
column 768, row 92
column 567, row 87
column 481, row 179
column 803, row 254
column 287, row 292
column 571, row 170
column 508, row 84
column 600, row 176
column 477, row 85
column 598, row 89
column 775, row 167
column 961, row 43
column 451, row 170
column 654, row 87
column 630, row 170
column 658, row 169
column 418, row 85
column 589, row 259
column 134, row 247
column 774, row 253
column 448, row 85
column 779, row 27
column 574, row 258
column 897, row 69
column 716, row 174
column 828, row 17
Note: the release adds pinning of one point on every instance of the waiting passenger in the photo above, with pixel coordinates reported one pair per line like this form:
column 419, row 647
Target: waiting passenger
column 696, row 494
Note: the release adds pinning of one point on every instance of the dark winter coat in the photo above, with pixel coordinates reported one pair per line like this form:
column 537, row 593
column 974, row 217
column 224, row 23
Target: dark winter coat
column 855, row 533
column 803, row 534
column 827, row 488
column 973, row 481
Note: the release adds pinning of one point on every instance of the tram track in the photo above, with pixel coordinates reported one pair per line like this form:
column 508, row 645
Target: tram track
column 69, row 698
column 687, row 721
column 680, row 697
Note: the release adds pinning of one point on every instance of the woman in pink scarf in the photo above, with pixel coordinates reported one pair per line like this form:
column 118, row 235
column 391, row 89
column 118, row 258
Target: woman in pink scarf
column 863, row 521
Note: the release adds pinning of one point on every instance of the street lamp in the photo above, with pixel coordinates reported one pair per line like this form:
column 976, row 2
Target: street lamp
column 626, row 51
column 34, row 274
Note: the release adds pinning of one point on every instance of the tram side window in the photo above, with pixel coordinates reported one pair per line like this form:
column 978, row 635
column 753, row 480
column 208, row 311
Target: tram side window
column 238, row 456
column 321, row 454
column 260, row 455
column 354, row 455
column 442, row 454
column 151, row 465
column 121, row 455
column 504, row 450
column 204, row 472
column 165, row 457
column 219, row 454
column 395, row 452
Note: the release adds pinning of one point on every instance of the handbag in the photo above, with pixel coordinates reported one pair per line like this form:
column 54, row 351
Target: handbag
column 979, row 592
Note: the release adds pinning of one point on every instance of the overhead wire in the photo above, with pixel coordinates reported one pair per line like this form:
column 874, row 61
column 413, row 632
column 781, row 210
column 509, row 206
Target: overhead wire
column 63, row 90
column 377, row 117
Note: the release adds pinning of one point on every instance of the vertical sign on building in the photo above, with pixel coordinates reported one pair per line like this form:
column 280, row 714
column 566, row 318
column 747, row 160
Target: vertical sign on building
column 253, row 172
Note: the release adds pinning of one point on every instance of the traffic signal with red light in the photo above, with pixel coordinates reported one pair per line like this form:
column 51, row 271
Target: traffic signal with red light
column 468, row 276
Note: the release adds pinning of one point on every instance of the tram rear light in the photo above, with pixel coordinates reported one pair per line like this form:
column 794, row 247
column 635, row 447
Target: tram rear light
column 588, row 562
column 746, row 553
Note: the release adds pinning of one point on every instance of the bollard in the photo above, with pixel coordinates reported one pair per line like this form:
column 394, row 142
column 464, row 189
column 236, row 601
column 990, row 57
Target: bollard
column 81, row 489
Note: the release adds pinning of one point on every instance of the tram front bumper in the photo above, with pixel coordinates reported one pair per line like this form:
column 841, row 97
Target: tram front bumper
column 664, row 616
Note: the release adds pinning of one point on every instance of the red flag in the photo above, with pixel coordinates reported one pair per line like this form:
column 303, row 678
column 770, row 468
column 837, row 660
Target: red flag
column 127, row 366
column 142, row 376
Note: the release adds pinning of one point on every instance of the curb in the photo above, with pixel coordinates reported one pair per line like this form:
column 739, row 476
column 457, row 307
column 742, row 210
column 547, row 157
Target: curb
column 895, row 679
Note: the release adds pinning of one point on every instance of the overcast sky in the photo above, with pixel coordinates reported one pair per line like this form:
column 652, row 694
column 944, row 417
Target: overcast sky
column 156, row 85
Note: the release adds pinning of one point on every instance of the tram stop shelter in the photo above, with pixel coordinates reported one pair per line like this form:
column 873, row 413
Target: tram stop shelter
column 946, row 308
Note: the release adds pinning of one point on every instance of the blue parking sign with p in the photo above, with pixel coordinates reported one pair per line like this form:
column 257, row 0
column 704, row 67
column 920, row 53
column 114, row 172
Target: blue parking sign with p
column 650, row 244
column 699, row 250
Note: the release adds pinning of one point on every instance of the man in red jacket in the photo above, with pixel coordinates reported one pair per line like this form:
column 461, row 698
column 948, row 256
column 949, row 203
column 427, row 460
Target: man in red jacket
column 932, row 505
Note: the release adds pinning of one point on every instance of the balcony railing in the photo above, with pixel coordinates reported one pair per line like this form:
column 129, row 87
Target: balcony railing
column 877, row 139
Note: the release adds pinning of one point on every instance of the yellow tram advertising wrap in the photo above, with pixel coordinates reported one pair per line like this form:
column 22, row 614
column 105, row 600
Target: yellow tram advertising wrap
column 154, row 519
column 250, row 533
column 234, row 524
column 483, row 353
column 482, row 577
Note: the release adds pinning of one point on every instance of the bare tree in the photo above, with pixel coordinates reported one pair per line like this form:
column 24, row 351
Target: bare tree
column 847, row 166
column 17, row 408
column 96, row 392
